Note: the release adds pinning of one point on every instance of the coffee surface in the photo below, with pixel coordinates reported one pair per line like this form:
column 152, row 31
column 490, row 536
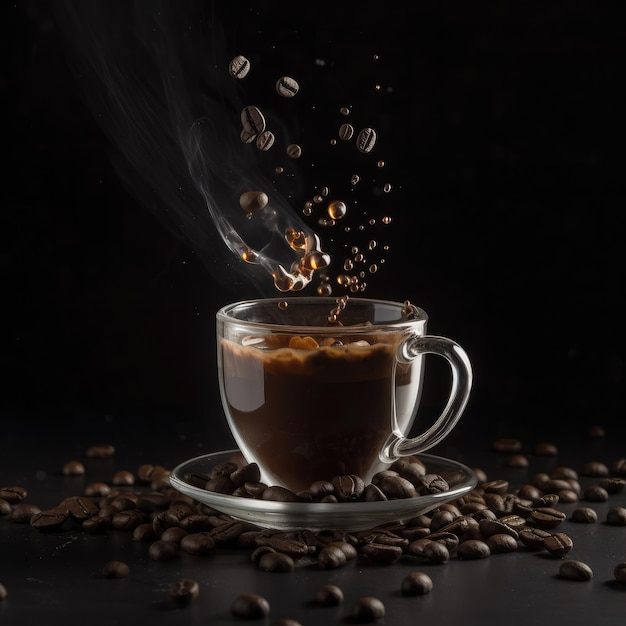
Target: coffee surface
column 311, row 414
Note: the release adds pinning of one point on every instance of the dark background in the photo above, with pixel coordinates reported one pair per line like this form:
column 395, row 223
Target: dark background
column 506, row 130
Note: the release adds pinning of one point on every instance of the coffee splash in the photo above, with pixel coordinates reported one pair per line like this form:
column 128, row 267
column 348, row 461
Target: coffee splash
column 216, row 168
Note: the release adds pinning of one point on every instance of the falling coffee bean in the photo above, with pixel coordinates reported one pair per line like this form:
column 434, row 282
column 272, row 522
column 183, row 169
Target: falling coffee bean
column 287, row 87
column 239, row 66
column 250, row 201
column 366, row 140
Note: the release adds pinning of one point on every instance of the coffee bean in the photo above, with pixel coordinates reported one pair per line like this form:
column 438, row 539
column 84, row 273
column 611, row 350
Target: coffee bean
column 416, row 584
column 331, row 557
column 619, row 468
column 5, row 507
column 329, row 595
column 450, row 540
column 567, row 496
column 558, row 544
column 595, row 493
column 184, row 591
column 616, row 516
column 276, row 562
column 279, row 494
column 73, row 468
column 239, row 66
column 372, row 493
column 612, row 485
column 366, row 140
column 265, row 140
column 584, row 515
column 435, row 552
column 347, row 548
column 253, row 123
column 13, row 494
column 547, row 500
column 496, row 527
column 50, row 519
column 575, row 570
column 346, row 131
column 80, row 508
column 595, row 468
column 97, row 524
column 348, row 487
column 545, row 448
column 227, row 532
column 473, row 549
column 115, row 569
column 533, row 538
column 506, row 445
column 163, row 550
column 547, row 517
column 24, row 512
column 287, row 87
column 517, row 460
column 250, row 606
column 381, row 553
column 294, row 151
column 367, row 609
column 286, row 543
column 175, row 533
column 434, row 483
column 620, row 572
column 500, row 543
column 100, row 451
column 97, row 489
column 128, row 520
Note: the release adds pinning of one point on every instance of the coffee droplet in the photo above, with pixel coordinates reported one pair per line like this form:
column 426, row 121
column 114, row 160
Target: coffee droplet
column 265, row 140
column 294, row 151
column 287, row 87
column 346, row 131
column 366, row 140
column 252, row 201
column 239, row 66
column 337, row 209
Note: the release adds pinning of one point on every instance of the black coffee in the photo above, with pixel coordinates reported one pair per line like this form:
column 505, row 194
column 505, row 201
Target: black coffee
column 312, row 414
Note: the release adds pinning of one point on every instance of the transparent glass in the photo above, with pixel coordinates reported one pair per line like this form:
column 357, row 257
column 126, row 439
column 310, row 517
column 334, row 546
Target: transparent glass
column 312, row 390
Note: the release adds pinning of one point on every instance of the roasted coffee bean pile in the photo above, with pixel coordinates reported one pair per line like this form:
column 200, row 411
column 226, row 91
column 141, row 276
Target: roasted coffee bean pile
column 493, row 518
column 406, row 478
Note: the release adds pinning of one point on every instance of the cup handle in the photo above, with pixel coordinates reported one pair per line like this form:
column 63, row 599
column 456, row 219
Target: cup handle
column 459, row 393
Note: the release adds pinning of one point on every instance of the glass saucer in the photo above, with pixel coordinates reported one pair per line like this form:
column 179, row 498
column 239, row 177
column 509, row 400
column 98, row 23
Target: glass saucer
column 317, row 515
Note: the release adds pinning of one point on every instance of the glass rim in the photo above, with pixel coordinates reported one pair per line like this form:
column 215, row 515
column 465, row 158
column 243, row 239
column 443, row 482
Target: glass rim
column 226, row 315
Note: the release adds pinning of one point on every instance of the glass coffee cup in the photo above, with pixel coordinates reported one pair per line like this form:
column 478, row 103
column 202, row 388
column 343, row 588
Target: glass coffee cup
column 317, row 387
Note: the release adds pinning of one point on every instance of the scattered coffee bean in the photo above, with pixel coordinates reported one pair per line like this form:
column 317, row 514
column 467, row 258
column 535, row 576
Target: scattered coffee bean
column 96, row 524
column 294, row 151
column 595, row 493
column 620, row 572
column 547, row 517
column 97, row 489
column 416, row 584
column 381, row 553
column 123, row 478
column 517, row 460
column 558, row 544
column 616, row 516
column 329, row 595
column 331, row 557
column 346, row 131
column 612, row 485
column 163, row 550
column 250, row 606
column 584, row 515
column 253, row 123
column 115, row 569
column 545, row 448
column 50, row 519
column 348, row 487
column 24, row 512
column 276, row 562
column 595, row 468
column 473, row 549
column 100, row 451
column 5, row 507
column 575, row 570
column 13, row 495
column 619, row 468
column 533, row 538
column 435, row 552
column 184, row 591
column 73, row 468
column 250, row 202
column 501, row 543
column 367, row 609
column 506, row 445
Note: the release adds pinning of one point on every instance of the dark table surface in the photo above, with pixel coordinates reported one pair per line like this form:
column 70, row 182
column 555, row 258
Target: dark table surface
column 57, row 576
